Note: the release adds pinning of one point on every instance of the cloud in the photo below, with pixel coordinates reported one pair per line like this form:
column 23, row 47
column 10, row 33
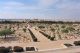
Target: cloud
column 53, row 9
column 68, row 9
column 46, row 3
column 13, row 5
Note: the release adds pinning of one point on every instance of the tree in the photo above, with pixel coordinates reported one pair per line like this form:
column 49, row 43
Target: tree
column 6, row 32
column 24, row 29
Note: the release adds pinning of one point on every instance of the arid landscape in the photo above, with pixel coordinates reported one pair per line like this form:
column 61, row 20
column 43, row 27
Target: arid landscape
column 43, row 36
column 39, row 26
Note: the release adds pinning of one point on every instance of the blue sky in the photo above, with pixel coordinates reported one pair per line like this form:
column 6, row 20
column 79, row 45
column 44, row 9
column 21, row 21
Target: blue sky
column 42, row 9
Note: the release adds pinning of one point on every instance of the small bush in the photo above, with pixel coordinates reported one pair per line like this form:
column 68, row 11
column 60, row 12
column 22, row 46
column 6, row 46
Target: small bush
column 77, row 43
column 70, row 28
column 52, row 29
column 52, row 38
column 63, row 26
column 24, row 29
column 65, row 31
column 49, row 37
column 41, row 26
column 68, row 45
column 18, row 49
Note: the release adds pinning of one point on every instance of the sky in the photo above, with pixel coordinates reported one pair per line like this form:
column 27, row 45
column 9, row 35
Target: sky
column 40, row 9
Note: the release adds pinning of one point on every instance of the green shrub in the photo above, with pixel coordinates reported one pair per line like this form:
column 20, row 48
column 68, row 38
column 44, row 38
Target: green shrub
column 52, row 38
column 49, row 37
column 52, row 29
column 60, row 37
column 41, row 26
column 70, row 28
column 65, row 31
column 63, row 26
column 24, row 29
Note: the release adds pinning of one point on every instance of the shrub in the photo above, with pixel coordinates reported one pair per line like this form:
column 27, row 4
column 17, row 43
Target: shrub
column 41, row 26
column 60, row 37
column 30, row 49
column 77, row 43
column 65, row 31
column 24, row 29
column 68, row 45
column 18, row 49
column 49, row 37
column 52, row 29
column 70, row 28
column 52, row 38
column 63, row 26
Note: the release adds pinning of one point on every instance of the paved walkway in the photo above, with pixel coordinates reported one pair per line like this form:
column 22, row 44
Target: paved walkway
column 67, row 50
column 44, row 43
column 45, row 46
column 39, row 36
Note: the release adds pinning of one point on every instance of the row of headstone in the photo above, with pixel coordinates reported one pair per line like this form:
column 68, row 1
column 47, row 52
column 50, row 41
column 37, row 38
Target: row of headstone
column 15, row 49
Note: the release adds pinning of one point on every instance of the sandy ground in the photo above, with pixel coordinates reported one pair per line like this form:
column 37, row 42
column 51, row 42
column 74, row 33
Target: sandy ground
column 44, row 46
